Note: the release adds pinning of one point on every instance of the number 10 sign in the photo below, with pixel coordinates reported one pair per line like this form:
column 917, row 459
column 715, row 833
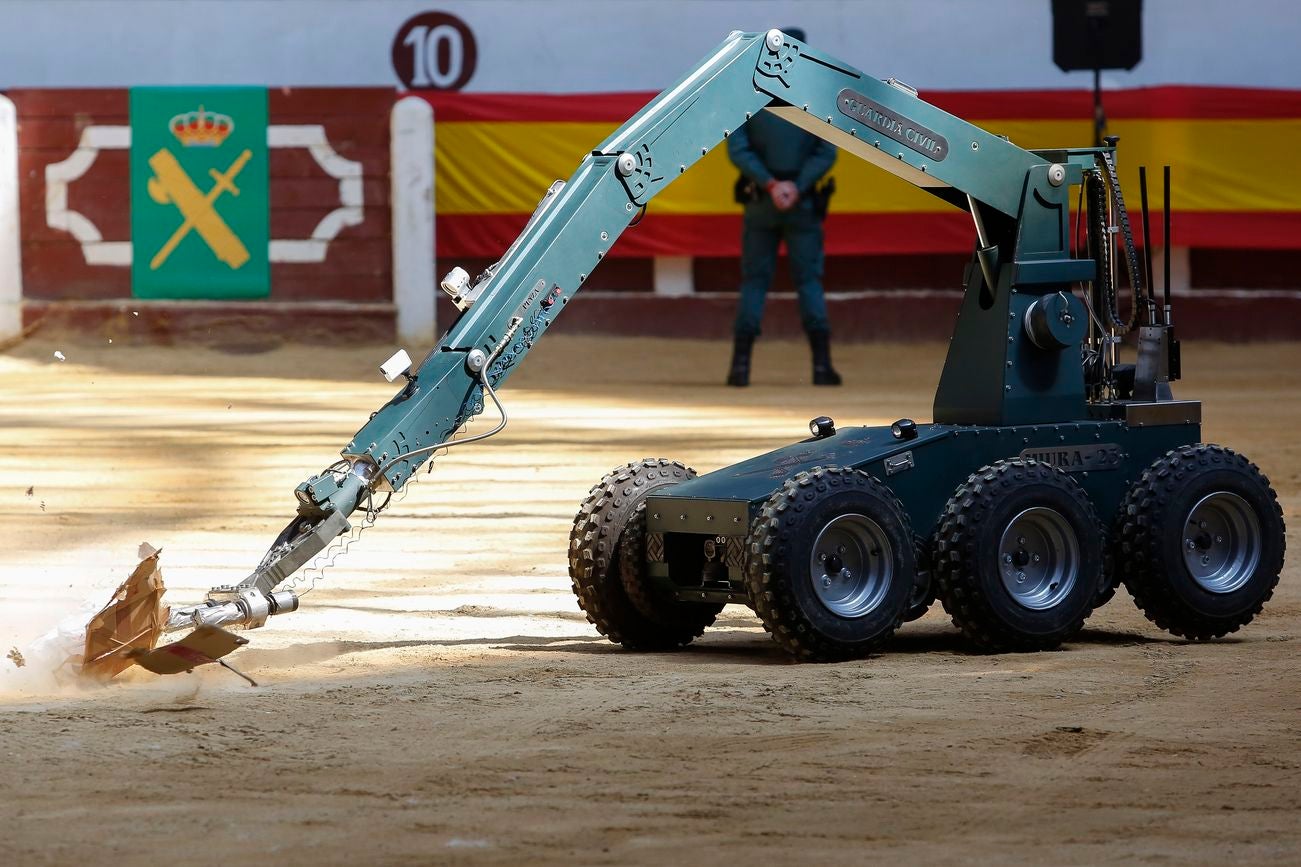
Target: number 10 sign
column 434, row 51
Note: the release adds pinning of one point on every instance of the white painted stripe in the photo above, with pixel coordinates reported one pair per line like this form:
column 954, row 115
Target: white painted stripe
column 96, row 251
column 11, row 267
column 297, row 250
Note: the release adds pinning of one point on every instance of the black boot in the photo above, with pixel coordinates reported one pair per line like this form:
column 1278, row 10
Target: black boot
column 739, row 374
column 823, row 372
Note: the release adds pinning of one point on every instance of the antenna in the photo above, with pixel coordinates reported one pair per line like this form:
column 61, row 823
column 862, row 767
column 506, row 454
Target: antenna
column 1165, row 234
column 1147, row 246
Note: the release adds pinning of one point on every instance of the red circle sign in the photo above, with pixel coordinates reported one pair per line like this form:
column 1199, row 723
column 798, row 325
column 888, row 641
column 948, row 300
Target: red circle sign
column 434, row 51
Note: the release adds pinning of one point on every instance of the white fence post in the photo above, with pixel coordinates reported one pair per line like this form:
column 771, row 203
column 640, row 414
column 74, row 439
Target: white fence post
column 411, row 169
column 1180, row 267
column 672, row 276
column 11, row 269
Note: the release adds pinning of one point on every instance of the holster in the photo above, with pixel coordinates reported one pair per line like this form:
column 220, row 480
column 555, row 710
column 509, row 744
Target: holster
column 746, row 191
column 821, row 196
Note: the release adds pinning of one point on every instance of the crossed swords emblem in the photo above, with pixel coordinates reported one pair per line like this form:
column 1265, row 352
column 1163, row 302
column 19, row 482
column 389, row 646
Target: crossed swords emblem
column 171, row 184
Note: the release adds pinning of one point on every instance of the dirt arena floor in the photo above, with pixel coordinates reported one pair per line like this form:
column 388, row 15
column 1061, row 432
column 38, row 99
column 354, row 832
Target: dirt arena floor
column 440, row 698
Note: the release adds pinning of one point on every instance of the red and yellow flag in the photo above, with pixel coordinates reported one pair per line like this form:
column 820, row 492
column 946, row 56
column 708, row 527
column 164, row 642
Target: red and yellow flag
column 1229, row 148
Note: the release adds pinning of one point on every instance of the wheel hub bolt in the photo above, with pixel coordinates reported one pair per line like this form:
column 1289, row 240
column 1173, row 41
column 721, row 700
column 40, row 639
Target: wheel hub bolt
column 1201, row 525
column 1020, row 540
column 823, row 555
column 1190, row 544
column 840, row 550
column 1007, row 558
column 1219, row 540
column 1036, row 558
column 826, row 580
column 1020, row 577
column 845, row 573
column 1206, row 559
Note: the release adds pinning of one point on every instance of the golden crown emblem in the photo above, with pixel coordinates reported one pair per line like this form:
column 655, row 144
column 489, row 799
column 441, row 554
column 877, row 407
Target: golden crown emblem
column 201, row 128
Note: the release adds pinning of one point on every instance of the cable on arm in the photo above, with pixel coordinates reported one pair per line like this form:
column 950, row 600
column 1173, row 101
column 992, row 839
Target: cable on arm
column 487, row 387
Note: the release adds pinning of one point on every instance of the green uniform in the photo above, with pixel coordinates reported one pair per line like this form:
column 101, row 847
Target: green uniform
column 768, row 148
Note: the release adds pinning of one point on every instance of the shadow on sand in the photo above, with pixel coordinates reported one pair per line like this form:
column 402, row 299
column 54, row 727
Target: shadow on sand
column 719, row 646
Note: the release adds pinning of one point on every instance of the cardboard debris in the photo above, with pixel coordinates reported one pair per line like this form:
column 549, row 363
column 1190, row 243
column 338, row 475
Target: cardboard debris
column 202, row 646
column 129, row 625
column 16, row 657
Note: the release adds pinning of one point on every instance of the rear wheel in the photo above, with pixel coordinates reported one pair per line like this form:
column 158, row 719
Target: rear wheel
column 651, row 599
column 596, row 567
column 1019, row 556
column 831, row 564
column 1202, row 540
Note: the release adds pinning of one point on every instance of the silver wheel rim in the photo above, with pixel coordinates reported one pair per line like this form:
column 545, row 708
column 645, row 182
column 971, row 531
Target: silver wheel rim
column 1039, row 558
column 851, row 566
column 1221, row 542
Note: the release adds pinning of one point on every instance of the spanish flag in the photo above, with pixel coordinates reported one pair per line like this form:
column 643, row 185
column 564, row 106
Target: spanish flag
column 1230, row 150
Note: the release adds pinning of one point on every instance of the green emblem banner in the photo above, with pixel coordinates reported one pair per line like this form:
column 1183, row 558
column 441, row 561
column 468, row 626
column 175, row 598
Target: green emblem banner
column 200, row 212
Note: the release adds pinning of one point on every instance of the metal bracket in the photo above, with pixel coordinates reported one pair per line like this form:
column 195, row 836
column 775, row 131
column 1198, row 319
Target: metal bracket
column 778, row 58
column 637, row 171
column 898, row 463
column 266, row 579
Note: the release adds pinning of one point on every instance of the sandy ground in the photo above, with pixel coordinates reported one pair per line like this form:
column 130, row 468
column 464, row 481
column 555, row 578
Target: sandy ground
column 440, row 699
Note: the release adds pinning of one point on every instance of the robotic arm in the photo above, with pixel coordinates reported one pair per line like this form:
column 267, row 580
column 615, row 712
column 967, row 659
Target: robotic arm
column 1018, row 200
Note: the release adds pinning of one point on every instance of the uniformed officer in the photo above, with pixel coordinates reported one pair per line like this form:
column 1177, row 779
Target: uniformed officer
column 784, row 164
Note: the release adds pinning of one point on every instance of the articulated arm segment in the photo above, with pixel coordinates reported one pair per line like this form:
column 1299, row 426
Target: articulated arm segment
column 517, row 300
column 549, row 262
column 885, row 123
column 529, row 288
column 579, row 221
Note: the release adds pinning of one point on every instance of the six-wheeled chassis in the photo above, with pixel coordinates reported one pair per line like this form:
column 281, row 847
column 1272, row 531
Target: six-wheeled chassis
column 839, row 538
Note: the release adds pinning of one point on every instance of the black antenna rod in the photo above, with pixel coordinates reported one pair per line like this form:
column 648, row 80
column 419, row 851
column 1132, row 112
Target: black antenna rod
column 1147, row 246
column 1165, row 234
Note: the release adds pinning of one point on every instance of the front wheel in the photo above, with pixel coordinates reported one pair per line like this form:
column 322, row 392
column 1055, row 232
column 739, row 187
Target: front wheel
column 1019, row 556
column 1202, row 541
column 831, row 564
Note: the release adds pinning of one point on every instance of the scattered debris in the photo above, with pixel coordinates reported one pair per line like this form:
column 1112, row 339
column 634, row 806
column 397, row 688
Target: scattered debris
column 131, row 622
column 59, row 355
column 459, row 843
column 16, row 657
column 31, row 490
column 42, row 505
column 204, row 645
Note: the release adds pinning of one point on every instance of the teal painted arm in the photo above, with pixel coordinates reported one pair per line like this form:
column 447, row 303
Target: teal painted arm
column 512, row 306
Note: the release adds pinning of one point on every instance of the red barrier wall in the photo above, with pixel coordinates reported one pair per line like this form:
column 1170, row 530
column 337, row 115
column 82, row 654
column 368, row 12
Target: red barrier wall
column 356, row 272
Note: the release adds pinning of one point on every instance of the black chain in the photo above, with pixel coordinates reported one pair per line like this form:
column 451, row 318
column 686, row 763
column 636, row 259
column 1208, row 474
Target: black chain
column 1132, row 264
column 1100, row 246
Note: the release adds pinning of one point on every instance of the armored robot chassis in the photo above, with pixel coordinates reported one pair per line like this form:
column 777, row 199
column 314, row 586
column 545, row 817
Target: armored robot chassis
column 1050, row 473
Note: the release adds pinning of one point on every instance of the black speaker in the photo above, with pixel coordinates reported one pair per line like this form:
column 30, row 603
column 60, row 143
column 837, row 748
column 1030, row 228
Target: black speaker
column 1097, row 34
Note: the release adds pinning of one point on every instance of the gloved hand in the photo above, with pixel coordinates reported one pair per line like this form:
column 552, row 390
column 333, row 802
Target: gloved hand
column 784, row 194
